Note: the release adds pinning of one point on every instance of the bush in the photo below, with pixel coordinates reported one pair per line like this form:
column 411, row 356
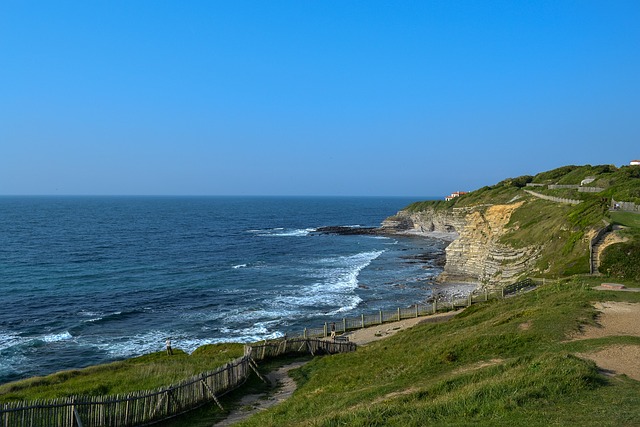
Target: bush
column 518, row 182
column 622, row 261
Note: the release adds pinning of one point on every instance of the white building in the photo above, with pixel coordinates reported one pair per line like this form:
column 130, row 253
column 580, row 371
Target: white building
column 454, row 195
column 634, row 163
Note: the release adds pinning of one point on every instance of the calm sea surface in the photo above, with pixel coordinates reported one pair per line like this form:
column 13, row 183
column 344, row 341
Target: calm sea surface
column 86, row 280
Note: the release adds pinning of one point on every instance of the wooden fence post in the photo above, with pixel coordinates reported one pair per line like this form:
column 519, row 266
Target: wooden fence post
column 435, row 306
column 304, row 334
column 344, row 324
column 76, row 416
column 381, row 317
column 325, row 329
column 416, row 309
column 398, row 314
column 362, row 318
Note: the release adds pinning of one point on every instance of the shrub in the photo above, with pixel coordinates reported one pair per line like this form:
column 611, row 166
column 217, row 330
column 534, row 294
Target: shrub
column 622, row 261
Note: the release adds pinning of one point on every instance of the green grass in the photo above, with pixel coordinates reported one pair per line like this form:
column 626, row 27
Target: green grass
column 210, row 414
column 557, row 232
column 500, row 363
column 482, row 368
column 621, row 261
column 627, row 219
column 140, row 373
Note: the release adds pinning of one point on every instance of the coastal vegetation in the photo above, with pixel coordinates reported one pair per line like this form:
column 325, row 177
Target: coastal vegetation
column 560, row 232
column 507, row 362
column 139, row 373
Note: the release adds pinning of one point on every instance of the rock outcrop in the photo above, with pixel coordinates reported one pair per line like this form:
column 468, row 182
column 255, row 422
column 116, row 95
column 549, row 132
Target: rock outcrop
column 476, row 255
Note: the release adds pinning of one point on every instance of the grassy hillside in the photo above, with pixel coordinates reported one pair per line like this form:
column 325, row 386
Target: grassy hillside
column 502, row 363
column 561, row 231
column 140, row 373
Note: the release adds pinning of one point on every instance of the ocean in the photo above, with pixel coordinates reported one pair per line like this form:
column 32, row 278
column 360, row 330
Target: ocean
column 88, row 280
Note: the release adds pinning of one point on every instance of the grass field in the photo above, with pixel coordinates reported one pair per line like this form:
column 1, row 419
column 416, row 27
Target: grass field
column 627, row 219
column 504, row 363
column 140, row 373
column 501, row 363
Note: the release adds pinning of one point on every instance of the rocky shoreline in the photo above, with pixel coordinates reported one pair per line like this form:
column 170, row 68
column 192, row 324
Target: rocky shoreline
column 443, row 290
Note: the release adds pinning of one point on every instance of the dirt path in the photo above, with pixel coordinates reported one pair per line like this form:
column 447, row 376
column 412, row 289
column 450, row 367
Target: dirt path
column 284, row 386
column 375, row 333
column 253, row 403
column 616, row 318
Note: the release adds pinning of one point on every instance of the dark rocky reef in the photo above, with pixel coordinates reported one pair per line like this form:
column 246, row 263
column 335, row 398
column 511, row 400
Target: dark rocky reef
column 349, row 231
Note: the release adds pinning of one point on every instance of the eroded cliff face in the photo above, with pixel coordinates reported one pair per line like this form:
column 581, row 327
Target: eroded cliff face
column 475, row 255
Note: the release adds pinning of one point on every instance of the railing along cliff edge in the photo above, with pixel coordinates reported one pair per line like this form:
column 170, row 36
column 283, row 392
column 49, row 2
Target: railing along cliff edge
column 148, row 407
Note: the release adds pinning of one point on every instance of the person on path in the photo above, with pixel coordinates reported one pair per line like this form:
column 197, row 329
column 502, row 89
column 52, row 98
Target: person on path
column 333, row 330
column 169, row 350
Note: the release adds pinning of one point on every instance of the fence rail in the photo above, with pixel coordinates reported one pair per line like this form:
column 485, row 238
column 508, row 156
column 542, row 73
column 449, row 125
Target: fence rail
column 347, row 324
column 554, row 199
column 146, row 407
column 624, row 206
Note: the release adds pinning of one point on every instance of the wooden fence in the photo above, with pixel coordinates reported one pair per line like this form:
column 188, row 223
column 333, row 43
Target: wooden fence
column 554, row 199
column 347, row 324
column 147, row 407
column 617, row 205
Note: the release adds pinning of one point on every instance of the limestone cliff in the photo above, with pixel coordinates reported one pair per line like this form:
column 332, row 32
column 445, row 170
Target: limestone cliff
column 476, row 255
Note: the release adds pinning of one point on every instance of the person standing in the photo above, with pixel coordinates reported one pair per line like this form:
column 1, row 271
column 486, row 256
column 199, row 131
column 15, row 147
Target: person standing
column 169, row 350
column 333, row 330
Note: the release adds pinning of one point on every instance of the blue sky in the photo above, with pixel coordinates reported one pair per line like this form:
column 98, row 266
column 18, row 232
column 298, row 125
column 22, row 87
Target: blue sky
column 406, row 98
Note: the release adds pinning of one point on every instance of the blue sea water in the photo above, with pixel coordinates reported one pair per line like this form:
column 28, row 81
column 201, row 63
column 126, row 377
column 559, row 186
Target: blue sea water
column 87, row 280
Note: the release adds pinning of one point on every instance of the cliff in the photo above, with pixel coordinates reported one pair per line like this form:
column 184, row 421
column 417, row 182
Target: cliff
column 505, row 231
column 475, row 255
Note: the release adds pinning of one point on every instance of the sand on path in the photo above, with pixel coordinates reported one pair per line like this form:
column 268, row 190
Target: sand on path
column 616, row 318
column 284, row 386
column 375, row 333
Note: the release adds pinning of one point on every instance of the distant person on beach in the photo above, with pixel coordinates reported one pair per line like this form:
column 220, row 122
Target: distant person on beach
column 333, row 330
column 169, row 350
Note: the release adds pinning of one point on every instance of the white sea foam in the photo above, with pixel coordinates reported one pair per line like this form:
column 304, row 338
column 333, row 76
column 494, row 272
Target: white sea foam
column 257, row 332
column 9, row 339
column 147, row 342
column 261, row 314
column 89, row 313
column 338, row 286
column 284, row 232
column 63, row 336
column 154, row 341
column 239, row 266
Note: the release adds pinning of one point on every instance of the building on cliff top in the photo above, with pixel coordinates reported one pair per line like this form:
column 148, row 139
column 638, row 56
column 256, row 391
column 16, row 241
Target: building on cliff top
column 634, row 163
column 454, row 195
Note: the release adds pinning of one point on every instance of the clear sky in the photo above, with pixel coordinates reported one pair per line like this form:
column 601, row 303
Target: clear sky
column 406, row 98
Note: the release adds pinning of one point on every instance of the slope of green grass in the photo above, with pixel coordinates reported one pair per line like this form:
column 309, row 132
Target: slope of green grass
column 140, row 373
column 559, row 231
column 500, row 363
column 626, row 219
